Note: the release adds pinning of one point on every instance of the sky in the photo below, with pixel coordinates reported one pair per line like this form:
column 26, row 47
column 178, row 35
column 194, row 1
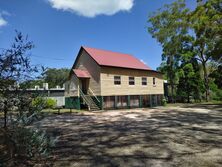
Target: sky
column 59, row 28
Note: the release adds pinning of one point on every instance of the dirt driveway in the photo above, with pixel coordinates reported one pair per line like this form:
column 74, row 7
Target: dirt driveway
column 166, row 136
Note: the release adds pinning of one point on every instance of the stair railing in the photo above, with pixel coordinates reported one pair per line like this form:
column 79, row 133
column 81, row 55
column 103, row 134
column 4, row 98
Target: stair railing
column 84, row 98
column 91, row 93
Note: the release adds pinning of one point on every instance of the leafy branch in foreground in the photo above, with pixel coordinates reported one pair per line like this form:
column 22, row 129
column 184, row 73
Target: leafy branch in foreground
column 22, row 141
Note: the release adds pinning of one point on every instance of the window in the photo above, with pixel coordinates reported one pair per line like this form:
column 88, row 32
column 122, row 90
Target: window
column 154, row 81
column 144, row 81
column 117, row 80
column 131, row 81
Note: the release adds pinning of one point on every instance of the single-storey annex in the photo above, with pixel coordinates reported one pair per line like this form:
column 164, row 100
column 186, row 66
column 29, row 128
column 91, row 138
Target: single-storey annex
column 101, row 79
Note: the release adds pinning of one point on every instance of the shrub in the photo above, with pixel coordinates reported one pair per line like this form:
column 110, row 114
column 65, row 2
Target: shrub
column 31, row 143
column 50, row 103
column 43, row 102
column 39, row 101
column 164, row 101
column 20, row 140
column 217, row 95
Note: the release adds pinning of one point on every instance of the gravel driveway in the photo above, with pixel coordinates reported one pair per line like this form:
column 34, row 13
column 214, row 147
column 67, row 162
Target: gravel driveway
column 165, row 136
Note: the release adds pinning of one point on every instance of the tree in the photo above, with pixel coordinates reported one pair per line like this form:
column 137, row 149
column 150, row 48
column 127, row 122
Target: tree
column 178, row 29
column 169, row 27
column 15, row 63
column 217, row 76
column 190, row 84
column 15, row 67
column 55, row 76
column 205, row 23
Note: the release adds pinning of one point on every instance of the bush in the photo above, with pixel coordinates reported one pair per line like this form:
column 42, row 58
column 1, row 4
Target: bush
column 50, row 103
column 20, row 140
column 164, row 101
column 217, row 95
column 43, row 102
column 39, row 101
column 31, row 143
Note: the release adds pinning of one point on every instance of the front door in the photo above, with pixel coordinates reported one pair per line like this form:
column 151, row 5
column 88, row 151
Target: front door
column 84, row 85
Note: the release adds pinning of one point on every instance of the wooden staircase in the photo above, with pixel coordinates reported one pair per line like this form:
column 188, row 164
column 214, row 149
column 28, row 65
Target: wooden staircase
column 88, row 100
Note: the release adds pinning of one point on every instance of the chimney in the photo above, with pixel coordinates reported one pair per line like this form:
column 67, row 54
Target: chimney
column 57, row 87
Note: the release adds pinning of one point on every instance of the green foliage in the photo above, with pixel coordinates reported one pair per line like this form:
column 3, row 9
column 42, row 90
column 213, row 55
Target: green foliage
column 15, row 67
column 43, row 103
column 31, row 83
column 30, row 143
column 56, row 77
column 50, row 103
column 169, row 27
column 216, row 75
column 15, row 62
column 216, row 92
column 164, row 102
column 217, row 95
column 189, row 39
column 39, row 102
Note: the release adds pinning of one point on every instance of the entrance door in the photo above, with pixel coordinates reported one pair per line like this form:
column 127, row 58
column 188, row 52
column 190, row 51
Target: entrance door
column 84, row 85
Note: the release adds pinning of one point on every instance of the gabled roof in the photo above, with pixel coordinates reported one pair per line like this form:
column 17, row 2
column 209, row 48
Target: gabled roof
column 115, row 59
column 81, row 73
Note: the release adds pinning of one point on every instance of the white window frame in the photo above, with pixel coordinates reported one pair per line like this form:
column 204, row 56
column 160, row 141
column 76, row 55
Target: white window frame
column 116, row 80
column 131, row 79
column 144, row 81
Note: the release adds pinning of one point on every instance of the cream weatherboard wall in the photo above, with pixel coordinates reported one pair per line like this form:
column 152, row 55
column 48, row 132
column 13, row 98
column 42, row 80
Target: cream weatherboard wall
column 85, row 62
column 108, row 88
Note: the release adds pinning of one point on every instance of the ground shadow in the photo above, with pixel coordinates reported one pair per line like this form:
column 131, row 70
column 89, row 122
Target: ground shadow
column 149, row 137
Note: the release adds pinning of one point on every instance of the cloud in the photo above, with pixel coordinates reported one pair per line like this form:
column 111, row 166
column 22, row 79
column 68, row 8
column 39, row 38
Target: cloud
column 5, row 13
column 92, row 8
column 3, row 22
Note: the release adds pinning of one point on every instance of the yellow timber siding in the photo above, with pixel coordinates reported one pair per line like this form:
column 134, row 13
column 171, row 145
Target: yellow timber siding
column 108, row 88
column 85, row 62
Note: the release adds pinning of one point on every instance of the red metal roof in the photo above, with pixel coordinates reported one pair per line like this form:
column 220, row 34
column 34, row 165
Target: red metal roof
column 114, row 59
column 81, row 73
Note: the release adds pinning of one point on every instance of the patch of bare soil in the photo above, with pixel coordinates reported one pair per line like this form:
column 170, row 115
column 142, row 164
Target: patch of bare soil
column 187, row 136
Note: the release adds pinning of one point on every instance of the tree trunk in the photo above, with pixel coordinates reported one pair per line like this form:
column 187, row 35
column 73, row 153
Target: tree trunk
column 206, row 82
column 171, row 78
column 172, row 91
column 188, row 98
column 5, row 118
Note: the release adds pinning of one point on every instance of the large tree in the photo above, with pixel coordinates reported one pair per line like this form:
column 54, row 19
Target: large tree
column 55, row 76
column 205, row 24
column 177, row 28
column 169, row 27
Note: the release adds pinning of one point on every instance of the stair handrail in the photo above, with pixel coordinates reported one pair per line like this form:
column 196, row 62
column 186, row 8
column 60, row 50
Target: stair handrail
column 91, row 92
column 83, row 96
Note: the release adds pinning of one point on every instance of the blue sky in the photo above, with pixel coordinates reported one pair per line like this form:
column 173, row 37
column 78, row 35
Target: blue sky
column 59, row 27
